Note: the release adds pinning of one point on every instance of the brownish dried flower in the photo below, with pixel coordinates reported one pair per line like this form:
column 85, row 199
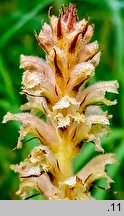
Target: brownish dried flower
column 73, row 115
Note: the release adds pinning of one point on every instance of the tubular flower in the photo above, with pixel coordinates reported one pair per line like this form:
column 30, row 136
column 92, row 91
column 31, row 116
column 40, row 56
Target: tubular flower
column 56, row 87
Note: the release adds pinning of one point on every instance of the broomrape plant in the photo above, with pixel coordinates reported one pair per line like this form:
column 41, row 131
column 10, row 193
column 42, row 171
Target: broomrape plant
column 56, row 86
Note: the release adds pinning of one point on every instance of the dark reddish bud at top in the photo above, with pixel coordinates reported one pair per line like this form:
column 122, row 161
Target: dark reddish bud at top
column 70, row 16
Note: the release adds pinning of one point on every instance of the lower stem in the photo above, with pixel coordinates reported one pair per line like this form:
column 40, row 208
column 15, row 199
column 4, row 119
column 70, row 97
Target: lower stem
column 65, row 156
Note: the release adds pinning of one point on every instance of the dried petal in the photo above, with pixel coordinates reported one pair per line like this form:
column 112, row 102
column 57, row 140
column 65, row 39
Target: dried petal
column 81, row 73
column 38, row 79
column 96, row 59
column 62, row 121
column 45, row 38
column 36, row 104
column 92, row 131
column 33, row 63
column 88, row 35
column 96, row 93
column 88, row 51
column 66, row 102
column 96, row 133
column 41, row 183
column 35, row 126
column 95, row 169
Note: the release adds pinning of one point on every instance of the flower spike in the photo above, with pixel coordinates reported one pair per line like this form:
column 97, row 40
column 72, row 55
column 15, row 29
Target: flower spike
column 73, row 114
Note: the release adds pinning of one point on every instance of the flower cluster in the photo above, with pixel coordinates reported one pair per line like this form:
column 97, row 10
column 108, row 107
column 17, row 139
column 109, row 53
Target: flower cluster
column 56, row 87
